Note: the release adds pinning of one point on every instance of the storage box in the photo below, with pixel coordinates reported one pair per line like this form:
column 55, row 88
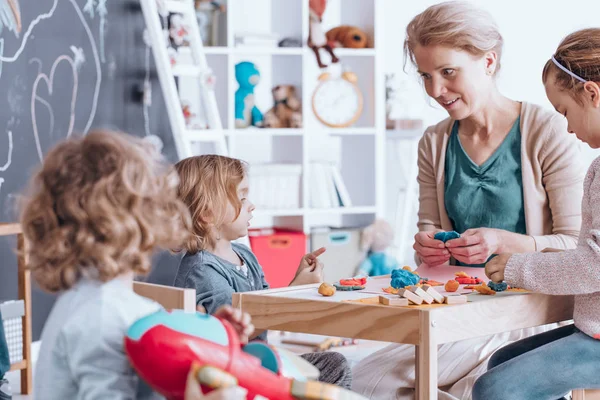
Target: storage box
column 12, row 319
column 279, row 253
column 343, row 254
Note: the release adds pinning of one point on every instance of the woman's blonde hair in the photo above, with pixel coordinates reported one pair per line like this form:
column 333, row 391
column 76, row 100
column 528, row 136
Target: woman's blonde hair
column 579, row 52
column 99, row 206
column 454, row 24
column 207, row 185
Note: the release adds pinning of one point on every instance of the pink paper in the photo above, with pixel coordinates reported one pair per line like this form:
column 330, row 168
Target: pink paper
column 444, row 273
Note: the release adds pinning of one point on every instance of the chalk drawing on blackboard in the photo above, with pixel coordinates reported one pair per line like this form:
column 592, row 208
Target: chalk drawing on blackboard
column 92, row 7
column 35, row 98
column 10, row 150
column 89, row 8
column 10, row 16
column 33, row 23
column 96, row 63
column 9, row 125
column 78, row 57
column 102, row 11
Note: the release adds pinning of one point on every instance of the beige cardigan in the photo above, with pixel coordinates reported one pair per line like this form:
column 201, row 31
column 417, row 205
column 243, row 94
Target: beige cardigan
column 552, row 168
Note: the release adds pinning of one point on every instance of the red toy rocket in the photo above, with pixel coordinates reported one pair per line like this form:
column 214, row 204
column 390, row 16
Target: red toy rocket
column 162, row 347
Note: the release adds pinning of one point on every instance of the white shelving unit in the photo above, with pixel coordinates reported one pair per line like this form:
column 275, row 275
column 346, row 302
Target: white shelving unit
column 358, row 150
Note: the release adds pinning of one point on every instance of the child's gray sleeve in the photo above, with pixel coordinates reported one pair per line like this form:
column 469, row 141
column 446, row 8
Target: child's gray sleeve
column 212, row 289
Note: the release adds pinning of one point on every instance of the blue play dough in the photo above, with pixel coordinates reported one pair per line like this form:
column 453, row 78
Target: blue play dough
column 445, row 236
column 497, row 287
column 402, row 278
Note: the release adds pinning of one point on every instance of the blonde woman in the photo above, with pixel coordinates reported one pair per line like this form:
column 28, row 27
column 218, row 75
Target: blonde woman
column 502, row 173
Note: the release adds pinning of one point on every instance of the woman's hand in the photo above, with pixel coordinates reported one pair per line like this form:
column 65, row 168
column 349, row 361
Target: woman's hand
column 475, row 246
column 310, row 269
column 494, row 269
column 431, row 251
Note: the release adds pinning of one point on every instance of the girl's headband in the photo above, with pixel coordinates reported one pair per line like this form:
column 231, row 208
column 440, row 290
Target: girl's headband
column 574, row 75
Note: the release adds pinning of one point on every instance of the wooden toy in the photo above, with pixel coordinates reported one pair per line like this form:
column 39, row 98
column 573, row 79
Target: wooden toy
column 393, row 301
column 455, row 299
column 413, row 298
column 430, row 290
column 421, row 293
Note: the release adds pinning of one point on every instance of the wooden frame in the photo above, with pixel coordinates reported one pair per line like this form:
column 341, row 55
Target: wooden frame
column 424, row 326
column 167, row 296
column 24, row 293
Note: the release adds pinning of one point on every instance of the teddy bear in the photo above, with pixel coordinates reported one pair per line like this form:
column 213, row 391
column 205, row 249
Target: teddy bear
column 246, row 112
column 347, row 36
column 286, row 109
column 375, row 240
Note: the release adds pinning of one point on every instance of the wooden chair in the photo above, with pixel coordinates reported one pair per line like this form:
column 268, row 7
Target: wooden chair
column 24, row 293
column 167, row 296
column 588, row 394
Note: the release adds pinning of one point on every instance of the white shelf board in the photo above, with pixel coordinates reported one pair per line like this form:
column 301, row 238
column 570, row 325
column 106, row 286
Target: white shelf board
column 283, row 212
column 343, row 210
column 404, row 134
column 266, row 132
column 216, row 50
column 352, row 131
column 261, row 50
column 343, row 52
column 204, row 135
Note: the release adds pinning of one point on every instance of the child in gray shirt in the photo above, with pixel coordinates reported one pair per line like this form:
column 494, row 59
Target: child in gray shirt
column 215, row 190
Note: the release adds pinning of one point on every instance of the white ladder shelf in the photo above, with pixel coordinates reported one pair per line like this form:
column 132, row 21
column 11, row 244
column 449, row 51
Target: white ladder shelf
column 183, row 136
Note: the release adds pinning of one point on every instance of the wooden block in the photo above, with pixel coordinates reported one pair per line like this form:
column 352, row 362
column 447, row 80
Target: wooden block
column 430, row 290
column 458, row 299
column 421, row 293
column 393, row 301
column 407, row 294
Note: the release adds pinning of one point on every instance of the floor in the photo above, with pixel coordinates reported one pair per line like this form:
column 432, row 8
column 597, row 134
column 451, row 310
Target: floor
column 353, row 352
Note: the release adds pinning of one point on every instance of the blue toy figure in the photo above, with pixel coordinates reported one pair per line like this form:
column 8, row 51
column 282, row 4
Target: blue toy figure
column 246, row 112
column 376, row 238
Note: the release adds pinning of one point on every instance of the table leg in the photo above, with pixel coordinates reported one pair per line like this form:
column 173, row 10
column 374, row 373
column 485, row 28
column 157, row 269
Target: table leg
column 426, row 356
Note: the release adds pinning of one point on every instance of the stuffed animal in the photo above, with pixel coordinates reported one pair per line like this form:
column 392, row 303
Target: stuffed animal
column 246, row 112
column 347, row 36
column 316, row 36
column 375, row 240
column 286, row 109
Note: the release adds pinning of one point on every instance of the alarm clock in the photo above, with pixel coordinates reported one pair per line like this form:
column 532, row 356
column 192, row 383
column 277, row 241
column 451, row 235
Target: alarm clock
column 337, row 101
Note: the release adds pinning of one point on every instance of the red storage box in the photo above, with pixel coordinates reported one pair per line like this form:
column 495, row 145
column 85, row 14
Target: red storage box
column 279, row 253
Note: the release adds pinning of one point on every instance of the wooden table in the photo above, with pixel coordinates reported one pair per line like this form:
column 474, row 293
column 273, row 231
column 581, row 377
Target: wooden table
column 24, row 281
column 350, row 314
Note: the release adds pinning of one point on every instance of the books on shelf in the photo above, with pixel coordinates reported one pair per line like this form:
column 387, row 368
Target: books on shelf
column 326, row 186
column 275, row 186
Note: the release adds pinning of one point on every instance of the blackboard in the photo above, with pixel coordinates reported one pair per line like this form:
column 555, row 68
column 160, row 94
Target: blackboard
column 68, row 66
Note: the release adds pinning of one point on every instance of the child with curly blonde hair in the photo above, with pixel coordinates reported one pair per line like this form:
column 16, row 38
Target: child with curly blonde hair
column 100, row 206
column 215, row 190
